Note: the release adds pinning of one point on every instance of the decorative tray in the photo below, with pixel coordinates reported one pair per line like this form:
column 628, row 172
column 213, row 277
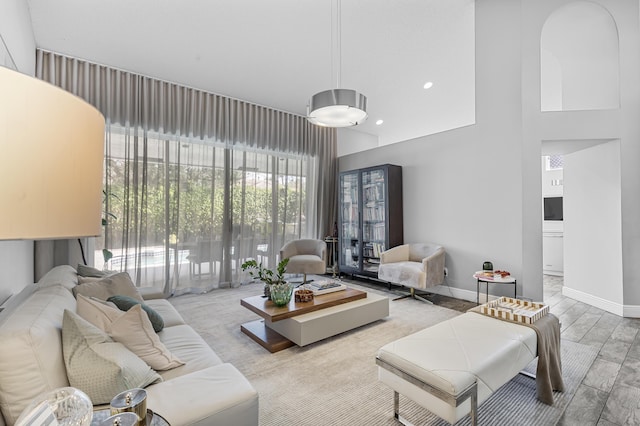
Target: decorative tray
column 515, row 310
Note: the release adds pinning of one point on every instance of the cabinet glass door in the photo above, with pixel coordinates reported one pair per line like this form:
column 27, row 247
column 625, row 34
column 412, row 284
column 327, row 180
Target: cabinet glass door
column 373, row 218
column 349, row 221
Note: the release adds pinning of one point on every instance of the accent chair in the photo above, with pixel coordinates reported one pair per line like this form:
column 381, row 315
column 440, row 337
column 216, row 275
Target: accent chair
column 417, row 266
column 306, row 256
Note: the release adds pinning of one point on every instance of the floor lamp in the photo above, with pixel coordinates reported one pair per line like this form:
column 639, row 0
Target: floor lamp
column 51, row 161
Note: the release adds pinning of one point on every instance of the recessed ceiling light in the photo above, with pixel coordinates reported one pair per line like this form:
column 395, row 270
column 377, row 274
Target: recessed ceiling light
column 428, row 85
column 379, row 122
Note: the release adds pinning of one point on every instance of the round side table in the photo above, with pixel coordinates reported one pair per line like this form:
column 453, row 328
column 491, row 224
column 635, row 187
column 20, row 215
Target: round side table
column 153, row 419
column 480, row 278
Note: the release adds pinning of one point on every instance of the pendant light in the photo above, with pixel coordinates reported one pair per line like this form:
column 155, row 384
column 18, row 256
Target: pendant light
column 337, row 107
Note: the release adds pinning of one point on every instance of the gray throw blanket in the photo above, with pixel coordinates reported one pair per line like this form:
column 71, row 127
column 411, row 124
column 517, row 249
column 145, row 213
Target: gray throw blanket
column 549, row 369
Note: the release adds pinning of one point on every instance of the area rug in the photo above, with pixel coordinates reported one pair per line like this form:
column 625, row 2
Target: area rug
column 334, row 382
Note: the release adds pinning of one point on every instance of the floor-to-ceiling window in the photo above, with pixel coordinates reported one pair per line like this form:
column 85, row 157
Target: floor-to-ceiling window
column 167, row 202
column 197, row 183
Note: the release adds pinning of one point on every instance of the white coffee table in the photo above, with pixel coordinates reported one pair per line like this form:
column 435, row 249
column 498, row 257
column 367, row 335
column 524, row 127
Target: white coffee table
column 283, row 327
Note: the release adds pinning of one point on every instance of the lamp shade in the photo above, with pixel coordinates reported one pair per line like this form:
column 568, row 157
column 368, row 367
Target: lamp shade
column 51, row 161
column 337, row 108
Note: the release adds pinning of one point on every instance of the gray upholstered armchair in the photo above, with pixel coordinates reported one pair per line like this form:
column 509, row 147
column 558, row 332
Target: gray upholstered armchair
column 306, row 256
column 417, row 266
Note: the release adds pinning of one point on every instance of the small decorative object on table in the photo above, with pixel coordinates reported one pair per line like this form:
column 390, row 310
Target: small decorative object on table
column 131, row 401
column 122, row 419
column 281, row 293
column 515, row 310
column 325, row 286
column 62, row 406
column 304, row 295
column 267, row 276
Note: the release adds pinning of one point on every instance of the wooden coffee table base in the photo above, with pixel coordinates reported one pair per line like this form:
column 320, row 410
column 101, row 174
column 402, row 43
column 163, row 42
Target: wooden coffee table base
column 265, row 337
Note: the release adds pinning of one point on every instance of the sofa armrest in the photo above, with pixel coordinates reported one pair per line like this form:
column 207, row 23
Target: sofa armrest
column 150, row 293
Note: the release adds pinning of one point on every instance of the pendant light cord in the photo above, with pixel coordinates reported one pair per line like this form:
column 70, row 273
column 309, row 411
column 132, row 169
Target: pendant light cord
column 339, row 40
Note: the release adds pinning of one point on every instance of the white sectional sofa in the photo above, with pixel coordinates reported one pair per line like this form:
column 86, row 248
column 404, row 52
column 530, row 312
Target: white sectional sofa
column 203, row 391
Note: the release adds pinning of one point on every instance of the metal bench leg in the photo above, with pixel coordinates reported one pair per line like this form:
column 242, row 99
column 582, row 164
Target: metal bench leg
column 396, row 405
column 474, row 407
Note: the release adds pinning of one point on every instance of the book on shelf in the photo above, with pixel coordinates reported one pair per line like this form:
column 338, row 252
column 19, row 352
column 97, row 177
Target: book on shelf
column 325, row 286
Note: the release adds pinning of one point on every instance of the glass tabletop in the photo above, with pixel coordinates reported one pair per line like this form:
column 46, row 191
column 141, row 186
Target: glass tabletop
column 153, row 419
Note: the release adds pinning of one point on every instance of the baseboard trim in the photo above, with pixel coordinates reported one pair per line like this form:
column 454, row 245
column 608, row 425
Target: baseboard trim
column 459, row 293
column 598, row 302
column 631, row 311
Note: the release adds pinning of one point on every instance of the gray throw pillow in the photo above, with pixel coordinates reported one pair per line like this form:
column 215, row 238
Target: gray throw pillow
column 97, row 365
column 124, row 303
column 90, row 271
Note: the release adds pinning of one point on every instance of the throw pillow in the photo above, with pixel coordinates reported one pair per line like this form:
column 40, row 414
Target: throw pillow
column 89, row 271
column 97, row 313
column 109, row 286
column 97, row 365
column 125, row 303
column 134, row 330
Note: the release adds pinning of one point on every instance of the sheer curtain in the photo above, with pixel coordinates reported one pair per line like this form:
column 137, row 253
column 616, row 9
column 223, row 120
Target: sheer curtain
column 197, row 183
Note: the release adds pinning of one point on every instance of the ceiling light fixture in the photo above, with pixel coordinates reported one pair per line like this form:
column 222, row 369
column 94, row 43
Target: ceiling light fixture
column 379, row 122
column 337, row 107
column 428, row 85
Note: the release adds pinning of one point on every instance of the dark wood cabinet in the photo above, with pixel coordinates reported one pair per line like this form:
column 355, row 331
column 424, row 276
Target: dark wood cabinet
column 370, row 217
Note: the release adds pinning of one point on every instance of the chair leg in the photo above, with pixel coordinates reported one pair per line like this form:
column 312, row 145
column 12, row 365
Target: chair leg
column 412, row 294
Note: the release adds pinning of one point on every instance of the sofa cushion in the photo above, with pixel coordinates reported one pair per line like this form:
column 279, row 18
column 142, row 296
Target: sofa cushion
column 30, row 336
column 134, row 330
column 97, row 365
column 185, row 343
column 218, row 395
column 63, row 274
column 124, row 303
column 109, row 286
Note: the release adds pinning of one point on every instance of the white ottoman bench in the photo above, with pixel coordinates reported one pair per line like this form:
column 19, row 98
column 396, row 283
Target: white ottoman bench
column 454, row 366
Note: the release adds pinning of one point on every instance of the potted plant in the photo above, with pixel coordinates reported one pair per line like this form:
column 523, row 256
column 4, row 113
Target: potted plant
column 276, row 288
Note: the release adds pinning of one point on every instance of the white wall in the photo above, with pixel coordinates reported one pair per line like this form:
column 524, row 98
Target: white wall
column 449, row 177
column 350, row 141
column 593, row 227
column 580, row 59
column 17, row 43
column 620, row 123
column 463, row 188
column 17, row 51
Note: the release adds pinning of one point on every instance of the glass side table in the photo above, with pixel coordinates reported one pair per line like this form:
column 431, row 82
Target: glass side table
column 153, row 419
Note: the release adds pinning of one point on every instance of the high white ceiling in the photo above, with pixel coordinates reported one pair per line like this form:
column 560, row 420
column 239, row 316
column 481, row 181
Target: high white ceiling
column 279, row 52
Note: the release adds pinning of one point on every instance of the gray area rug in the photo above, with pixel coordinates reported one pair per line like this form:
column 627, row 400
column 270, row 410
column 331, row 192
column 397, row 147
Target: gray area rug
column 334, row 382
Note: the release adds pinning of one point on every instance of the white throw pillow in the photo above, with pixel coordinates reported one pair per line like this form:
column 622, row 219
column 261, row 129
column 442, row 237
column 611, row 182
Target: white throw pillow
column 97, row 313
column 97, row 365
column 134, row 329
